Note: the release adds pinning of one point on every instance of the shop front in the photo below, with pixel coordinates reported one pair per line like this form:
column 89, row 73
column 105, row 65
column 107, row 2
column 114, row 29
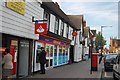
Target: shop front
column 57, row 52
column 20, row 50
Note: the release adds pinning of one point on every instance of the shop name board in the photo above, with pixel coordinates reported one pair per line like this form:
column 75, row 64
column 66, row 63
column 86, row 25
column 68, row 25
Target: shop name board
column 56, row 42
column 16, row 5
column 53, row 41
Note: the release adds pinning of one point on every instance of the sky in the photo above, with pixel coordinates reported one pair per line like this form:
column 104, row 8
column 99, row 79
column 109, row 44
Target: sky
column 96, row 13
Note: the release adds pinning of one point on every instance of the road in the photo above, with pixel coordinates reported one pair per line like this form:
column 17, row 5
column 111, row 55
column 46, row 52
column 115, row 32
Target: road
column 107, row 75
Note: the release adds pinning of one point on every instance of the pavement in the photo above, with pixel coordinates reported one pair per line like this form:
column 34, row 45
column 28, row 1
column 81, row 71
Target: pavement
column 75, row 70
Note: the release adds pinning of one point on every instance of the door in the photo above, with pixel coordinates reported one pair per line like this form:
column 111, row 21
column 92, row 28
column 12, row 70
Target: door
column 23, row 58
column 49, row 55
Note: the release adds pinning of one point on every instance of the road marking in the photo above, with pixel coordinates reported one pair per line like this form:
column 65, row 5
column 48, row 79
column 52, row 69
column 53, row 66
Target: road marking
column 107, row 76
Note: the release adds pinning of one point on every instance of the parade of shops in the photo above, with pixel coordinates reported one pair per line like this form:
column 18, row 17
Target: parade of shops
column 19, row 36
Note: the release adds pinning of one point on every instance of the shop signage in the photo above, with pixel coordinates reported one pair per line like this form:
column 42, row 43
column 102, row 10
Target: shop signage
column 49, row 41
column 16, row 5
column 56, row 42
column 41, row 28
column 74, row 34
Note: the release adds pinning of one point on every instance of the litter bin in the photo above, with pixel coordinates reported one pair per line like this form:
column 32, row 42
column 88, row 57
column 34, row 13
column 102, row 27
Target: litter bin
column 94, row 66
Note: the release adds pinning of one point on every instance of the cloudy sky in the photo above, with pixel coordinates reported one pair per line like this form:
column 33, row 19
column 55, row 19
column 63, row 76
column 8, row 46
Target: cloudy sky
column 96, row 14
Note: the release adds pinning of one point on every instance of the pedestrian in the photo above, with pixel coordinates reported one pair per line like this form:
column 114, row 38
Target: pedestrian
column 100, row 59
column 42, row 58
column 7, row 64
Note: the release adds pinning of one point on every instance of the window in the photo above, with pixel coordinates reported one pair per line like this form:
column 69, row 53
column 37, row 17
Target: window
column 56, row 26
column 62, row 28
column 47, row 16
column 67, row 30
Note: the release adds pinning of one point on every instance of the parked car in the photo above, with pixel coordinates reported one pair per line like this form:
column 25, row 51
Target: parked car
column 109, row 61
column 116, row 68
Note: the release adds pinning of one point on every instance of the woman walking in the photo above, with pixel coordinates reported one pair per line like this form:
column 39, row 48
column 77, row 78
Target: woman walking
column 7, row 64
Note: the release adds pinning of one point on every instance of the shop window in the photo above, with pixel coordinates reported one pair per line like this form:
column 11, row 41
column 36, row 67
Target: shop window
column 37, row 53
column 47, row 51
column 64, row 55
column 56, row 26
column 60, row 56
column 55, row 55
column 51, row 51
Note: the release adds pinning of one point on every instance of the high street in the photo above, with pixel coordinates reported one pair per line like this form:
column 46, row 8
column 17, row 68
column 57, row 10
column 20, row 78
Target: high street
column 77, row 70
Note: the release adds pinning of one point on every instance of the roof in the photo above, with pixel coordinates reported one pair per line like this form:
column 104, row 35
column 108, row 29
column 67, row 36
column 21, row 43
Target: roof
column 77, row 20
column 51, row 6
column 55, row 9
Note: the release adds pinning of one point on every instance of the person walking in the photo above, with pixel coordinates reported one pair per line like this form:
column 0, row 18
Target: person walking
column 42, row 58
column 7, row 64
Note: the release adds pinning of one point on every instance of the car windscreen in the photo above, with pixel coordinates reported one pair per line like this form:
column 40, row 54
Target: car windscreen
column 110, row 56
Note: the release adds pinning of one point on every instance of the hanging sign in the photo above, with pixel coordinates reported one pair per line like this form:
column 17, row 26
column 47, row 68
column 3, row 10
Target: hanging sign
column 74, row 34
column 41, row 28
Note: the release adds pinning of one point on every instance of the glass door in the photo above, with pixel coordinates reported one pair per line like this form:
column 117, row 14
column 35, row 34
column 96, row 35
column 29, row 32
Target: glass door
column 49, row 55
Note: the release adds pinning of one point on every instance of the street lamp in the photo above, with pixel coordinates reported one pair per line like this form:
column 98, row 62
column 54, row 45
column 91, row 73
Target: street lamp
column 101, row 35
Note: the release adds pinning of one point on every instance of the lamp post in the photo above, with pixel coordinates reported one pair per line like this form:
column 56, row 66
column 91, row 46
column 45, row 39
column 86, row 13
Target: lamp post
column 101, row 35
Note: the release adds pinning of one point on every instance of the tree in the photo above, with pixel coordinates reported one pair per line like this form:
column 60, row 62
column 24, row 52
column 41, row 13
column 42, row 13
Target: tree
column 99, row 41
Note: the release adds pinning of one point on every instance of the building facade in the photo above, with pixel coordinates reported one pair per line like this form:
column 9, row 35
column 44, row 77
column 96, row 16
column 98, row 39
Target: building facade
column 18, row 33
column 76, row 46
column 58, row 38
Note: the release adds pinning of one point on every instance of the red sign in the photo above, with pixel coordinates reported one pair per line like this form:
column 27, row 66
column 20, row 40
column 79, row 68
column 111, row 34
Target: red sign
column 41, row 28
column 74, row 34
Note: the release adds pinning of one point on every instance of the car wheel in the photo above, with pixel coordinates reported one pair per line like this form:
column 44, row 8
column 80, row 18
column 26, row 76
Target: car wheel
column 114, row 77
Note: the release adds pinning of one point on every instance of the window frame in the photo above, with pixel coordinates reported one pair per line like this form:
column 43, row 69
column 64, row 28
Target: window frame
column 48, row 18
column 56, row 29
column 62, row 28
column 67, row 30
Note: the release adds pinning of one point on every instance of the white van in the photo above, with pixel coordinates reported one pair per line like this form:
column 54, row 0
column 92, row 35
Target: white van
column 116, row 68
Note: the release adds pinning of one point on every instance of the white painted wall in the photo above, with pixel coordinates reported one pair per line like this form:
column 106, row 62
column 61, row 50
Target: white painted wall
column 77, row 53
column 21, row 25
column 0, row 16
column 52, row 23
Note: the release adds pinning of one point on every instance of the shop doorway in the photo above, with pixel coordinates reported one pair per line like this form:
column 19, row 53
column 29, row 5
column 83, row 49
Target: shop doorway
column 36, row 63
column 49, row 55
column 72, row 53
column 23, row 58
